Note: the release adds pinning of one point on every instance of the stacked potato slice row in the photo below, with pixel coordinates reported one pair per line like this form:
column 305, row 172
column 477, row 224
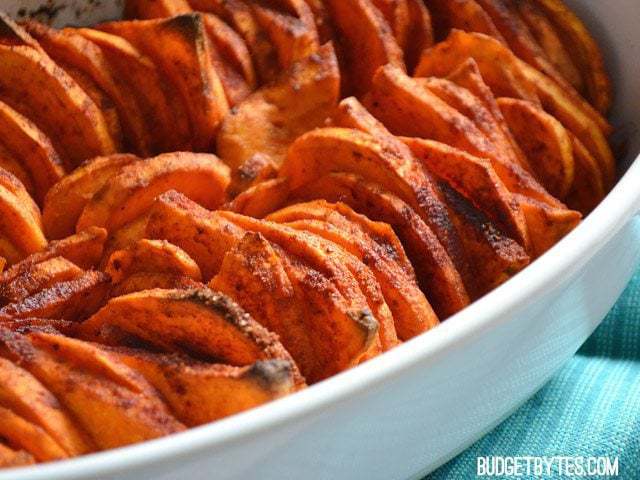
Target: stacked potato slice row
column 210, row 205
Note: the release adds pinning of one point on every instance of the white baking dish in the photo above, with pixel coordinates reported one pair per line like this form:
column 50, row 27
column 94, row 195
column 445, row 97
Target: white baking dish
column 405, row 413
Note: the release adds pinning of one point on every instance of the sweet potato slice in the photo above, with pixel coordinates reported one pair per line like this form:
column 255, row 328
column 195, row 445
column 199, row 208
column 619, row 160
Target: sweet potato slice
column 3, row 262
column 180, row 48
column 69, row 48
column 9, row 163
column 59, row 107
column 204, row 235
column 256, row 134
column 411, row 311
column 32, row 149
column 437, row 275
column 22, row 393
column 66, row 200
column 588, row 184
column 200, row 322
column 495, row 258
column 420, row 34
column 153, row 256
column 163, row 112
column 14, row 458
column 584, row 49
column 261, row 199
column 138, row 282
column 254, row 275
column 467, row 15
column 199, row 393
column 202, row 177
column 110, row 401
column 148, row 9
column 545, row 142
column 330, row 150
column 25, row 435
column 20, row 220
column 69, row 300
column 40, row 276
column 545, row 34
column 367, row 42
column 396, row 13
column 548, row 224
column 474, row 178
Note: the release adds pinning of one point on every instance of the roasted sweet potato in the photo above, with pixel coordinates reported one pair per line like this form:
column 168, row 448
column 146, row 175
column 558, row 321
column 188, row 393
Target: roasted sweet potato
column 467, row 15
column 152, row 256
column 545, row 142
column 20, row 223
column 420, row 34
column 148, row 9
column 138, row 282
column 14, row 458
column 256, row 134
column 200, row 322
column 588, row 184
column 32, row 149
column 584, row 50
column 181, row 49
column 22, row 393
column 58, row 106
column 74, row 299
column 366, row 40
column 38, row 277
column 261, row 199
column 397, row 15
column 66, row 200
column 412, row 313
column 9, row 163
column 29, row 437
column 202, row 177
column 199, row 393
column 3, row 262
column 163, row 111
column 110, row 401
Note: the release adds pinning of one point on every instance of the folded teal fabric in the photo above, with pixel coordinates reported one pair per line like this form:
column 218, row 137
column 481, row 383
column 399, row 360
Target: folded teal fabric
column 590, row 408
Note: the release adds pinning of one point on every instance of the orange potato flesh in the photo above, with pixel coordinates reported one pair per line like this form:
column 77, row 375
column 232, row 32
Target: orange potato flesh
column 467, row 15
column 32, row 150
column 138, row 282
column 14, row 458
column 420, row 35
column 588, row 188
column 23, row 434
column 201, row 177
column 65, row 201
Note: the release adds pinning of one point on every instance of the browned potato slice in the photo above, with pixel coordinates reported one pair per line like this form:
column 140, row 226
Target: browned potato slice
column 40, row 276
column 588, row 184
column 366, row 40
column 138, row 282
column 111, row 402
column 14, row 458
column 330, row 150
column 70, row 300
column 436, row 272
column 22, row 393
column 239, row 15
column 199, row 393
column 9, row 163
column 254, row 275
column 72, row 49
column 420, row 35
column 72, row 121
column 548, row 224
column 397, row 15
column 290, row 26
column 411, row 311
column 545, row 142
column 9, row 252
column 231, row 59
column 3, row 262
column 66, row 200
column 20, row 222
column 474, row 178
column 200, row 322
column 584, row 50
column 12, row 34
column 152, row 256
column 495, row 258
column 499, row 67
column 549, row 40
column 465, row 15
column 180, row 48
column 202, row 177
column 163, row 112
column 22, row 434
column 261, row 199
column 125, row 237
column 204, row 235
column 256, row 134
column 32, row 149
column 147, row 9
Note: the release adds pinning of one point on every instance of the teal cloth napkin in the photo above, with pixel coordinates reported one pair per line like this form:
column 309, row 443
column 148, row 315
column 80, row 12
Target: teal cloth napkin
column 590, row 408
